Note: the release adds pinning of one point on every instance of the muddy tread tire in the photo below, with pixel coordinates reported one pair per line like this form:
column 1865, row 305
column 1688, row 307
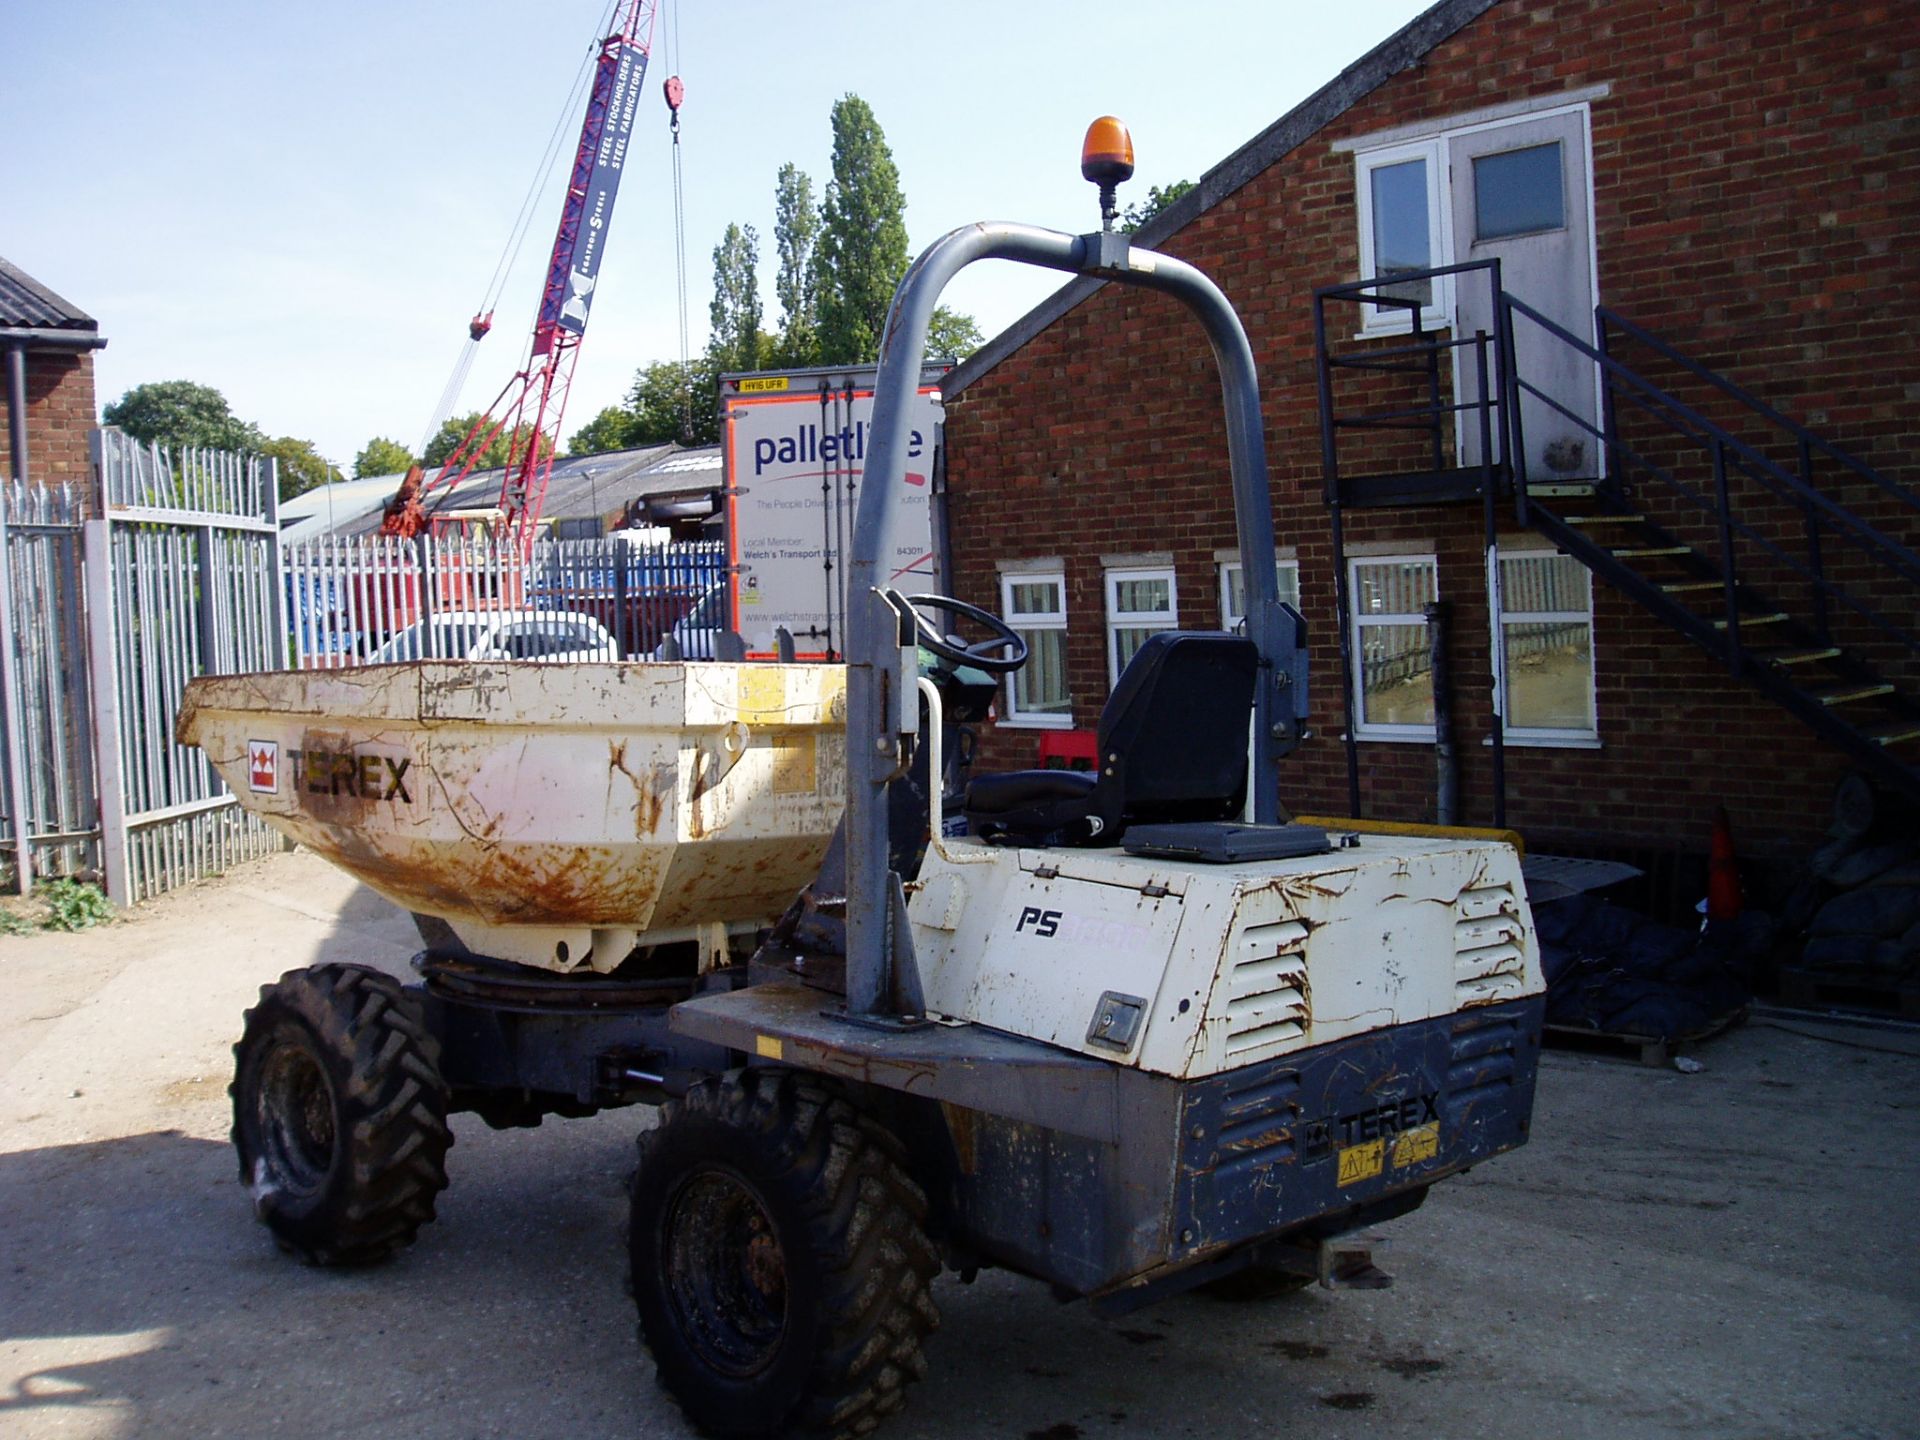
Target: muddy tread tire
column 855, row 1259
column 340, row 1114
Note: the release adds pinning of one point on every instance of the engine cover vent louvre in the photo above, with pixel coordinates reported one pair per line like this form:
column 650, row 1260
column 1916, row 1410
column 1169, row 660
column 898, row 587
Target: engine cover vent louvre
column 1489, row 959
column 1265, row 989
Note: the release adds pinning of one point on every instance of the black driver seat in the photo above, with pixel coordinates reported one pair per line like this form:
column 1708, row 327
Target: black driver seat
column 1173, row 747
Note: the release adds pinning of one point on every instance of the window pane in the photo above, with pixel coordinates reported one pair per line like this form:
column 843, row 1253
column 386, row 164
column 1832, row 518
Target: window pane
column 1403, row 588
column 1290, row 585
column 1286, row 585
column 1550, row 675
column 1035, row 597
column 1542, row 582
column 1518, row 192
column 1040, row 686
column 1402, row 238
column 1127, row 639
column 1396, row 675
column 1148, row 595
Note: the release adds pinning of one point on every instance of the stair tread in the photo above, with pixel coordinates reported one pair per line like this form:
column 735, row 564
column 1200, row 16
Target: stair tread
column 1894, row 733
column 1647, row 551
column 1774, row 619
column 1688, row 586
column 1844, row 694
column 1606, row 519
column 1798, row 657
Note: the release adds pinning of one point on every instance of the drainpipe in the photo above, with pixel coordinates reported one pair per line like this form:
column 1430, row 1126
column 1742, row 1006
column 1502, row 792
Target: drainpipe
column 9, row 671
column 1445, row 758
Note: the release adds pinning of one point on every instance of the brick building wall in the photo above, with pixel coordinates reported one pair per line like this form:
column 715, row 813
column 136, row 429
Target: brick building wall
column 60, row 414
column 1754, row 167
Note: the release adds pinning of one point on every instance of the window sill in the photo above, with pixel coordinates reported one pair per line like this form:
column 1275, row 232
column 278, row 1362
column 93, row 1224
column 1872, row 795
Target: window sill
column 1538, row 741
column 1035, row 722
column 1429, row 325
column 1370, row 737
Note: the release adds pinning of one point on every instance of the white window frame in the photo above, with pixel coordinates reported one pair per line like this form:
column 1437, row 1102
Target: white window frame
column 1499, row 617
column 1437, row 314
column 1010, row 716
column 1231, row 619
column 1118, row 619
column 1433, row 138
column 1362, row 728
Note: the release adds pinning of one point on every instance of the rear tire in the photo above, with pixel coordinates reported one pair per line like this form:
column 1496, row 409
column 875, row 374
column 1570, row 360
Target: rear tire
column 340, row 1114
column 778, row 1259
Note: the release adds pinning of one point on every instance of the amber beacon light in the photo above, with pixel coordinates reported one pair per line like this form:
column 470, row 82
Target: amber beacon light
column 1106, row 159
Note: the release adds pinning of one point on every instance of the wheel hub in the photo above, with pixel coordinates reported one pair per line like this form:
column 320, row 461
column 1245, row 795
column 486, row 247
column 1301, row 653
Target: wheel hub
column 296, row 1118
column 725, row 1272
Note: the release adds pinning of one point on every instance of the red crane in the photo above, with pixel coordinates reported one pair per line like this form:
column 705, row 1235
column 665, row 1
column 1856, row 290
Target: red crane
column 529, row 408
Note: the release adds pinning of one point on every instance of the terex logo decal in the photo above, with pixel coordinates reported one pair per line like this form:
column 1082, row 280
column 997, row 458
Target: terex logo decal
column 339, row 772
column 1046, row 923
column 263, row 766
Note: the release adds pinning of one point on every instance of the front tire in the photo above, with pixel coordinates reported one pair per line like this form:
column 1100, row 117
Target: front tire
column 340, row 1114
column 778, row 1259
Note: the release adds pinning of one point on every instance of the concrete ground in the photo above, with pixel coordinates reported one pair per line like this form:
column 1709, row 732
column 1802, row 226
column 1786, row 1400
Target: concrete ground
column 1723, row 1254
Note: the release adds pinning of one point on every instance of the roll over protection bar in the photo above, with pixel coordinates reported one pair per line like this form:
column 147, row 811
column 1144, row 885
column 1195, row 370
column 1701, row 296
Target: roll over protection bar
column 877, row 682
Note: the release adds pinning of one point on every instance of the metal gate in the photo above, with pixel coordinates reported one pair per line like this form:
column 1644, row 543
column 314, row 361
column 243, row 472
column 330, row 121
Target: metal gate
column 48, row 821
column 350, row 595
column 183, row 579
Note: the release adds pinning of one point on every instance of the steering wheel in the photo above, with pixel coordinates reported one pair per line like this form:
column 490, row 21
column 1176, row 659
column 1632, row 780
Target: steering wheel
column 980, row 653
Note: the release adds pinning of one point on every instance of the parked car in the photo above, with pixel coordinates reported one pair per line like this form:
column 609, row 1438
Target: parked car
column 550, row 636
column 694, row 632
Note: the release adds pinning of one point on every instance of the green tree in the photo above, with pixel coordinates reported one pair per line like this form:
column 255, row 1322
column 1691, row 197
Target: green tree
column 450, row 435
column 178, row 413
column 302, row 468
column 673, row 403
column 736, row 342
column 952, row 335
column 862, row 250
column 1135, row 216
column 796, row 231
column 611, row 429
column 381, row 456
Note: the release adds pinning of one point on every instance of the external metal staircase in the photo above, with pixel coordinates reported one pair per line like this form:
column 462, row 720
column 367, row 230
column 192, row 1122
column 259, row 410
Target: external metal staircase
column 1786, row 559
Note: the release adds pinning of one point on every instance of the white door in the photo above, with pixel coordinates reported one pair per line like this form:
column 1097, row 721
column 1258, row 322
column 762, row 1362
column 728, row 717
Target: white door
column 1519, row 193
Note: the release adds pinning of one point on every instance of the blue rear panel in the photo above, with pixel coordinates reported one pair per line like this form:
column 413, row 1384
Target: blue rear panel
column 1274, row 1145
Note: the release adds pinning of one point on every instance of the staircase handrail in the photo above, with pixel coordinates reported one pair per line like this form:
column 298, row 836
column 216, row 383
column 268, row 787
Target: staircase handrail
column 1902, row 557
column 1753, row 402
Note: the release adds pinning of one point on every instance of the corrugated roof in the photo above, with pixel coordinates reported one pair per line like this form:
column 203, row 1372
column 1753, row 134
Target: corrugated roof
column 580, row 487
column 1402, row 50
column 26, row 304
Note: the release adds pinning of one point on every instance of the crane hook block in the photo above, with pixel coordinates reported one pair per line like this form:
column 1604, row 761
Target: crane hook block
column 480, row 325
column 674, row 91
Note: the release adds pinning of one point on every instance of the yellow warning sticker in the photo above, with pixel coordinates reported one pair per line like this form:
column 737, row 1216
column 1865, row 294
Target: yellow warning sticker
column 768, row 1047
column 795, row 766
column 1410, row 1147
column 763, row 385
column 1362, row 1162
column 763, row 694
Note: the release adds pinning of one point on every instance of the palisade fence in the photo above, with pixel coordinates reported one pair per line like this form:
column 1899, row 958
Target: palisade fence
column 106, row 620
column 182, row 579
column 49, row 823
column 348, row 596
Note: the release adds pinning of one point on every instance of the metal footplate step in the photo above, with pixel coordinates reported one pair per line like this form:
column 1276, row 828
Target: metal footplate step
column 1344, row 1262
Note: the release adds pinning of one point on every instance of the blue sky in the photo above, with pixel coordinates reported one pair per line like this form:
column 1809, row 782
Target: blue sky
column 302, row 205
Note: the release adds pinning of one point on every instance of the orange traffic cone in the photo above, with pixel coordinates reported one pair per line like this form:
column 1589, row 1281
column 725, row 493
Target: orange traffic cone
column 1723, row 871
